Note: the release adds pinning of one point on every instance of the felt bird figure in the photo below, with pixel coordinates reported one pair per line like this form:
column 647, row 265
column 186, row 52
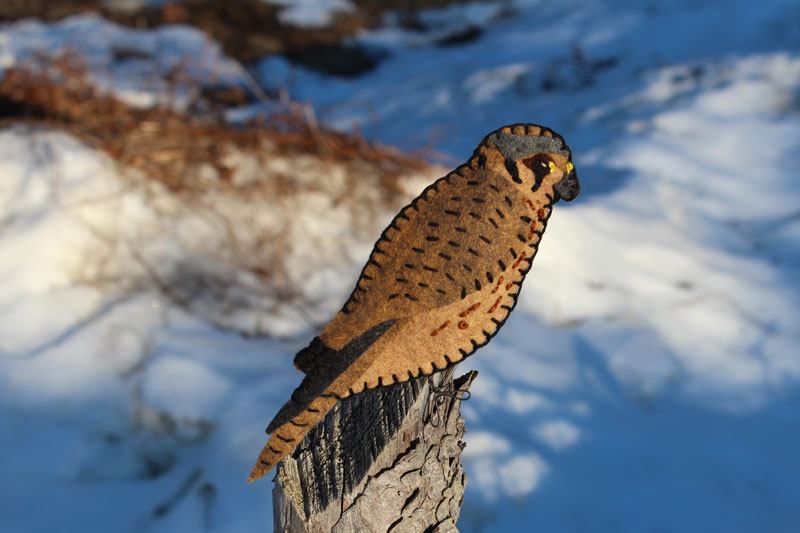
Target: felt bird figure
column 440, row 281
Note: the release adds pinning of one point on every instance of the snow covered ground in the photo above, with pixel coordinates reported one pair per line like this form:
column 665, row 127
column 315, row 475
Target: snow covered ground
column 648, row 381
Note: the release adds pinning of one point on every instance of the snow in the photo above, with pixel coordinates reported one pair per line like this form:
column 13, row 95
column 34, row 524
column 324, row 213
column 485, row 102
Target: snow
column 648, row 380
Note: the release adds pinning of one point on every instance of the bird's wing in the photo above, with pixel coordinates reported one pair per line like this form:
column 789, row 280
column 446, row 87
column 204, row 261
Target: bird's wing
column 439, row 283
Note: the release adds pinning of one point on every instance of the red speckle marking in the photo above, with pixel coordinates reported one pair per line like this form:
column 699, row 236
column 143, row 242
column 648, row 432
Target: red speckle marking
column 519, row 259
column 493, row 308
column 540, row 213
column 463, row 325
column 530, row 203
column 440, row 328
column 462, row 314
column 496, row 287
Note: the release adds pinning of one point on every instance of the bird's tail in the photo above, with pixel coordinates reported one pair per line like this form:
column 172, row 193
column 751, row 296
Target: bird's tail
column 288, row 435
column 329, row 376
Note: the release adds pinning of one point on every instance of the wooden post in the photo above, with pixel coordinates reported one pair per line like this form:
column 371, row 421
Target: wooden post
column 415, row 483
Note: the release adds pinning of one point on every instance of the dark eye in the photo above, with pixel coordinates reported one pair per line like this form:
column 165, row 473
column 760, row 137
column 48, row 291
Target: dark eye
column 540, row 166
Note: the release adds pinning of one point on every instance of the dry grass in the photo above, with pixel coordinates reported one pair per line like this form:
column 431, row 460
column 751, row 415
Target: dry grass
column 243, row 188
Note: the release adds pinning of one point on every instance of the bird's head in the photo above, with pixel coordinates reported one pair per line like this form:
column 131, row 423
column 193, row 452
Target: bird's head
column 534, row 158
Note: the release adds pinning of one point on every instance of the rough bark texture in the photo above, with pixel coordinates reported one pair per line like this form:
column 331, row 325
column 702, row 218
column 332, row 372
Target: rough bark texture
column 414, row 483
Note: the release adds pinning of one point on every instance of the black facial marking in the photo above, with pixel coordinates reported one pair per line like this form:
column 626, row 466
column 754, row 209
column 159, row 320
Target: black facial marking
column 512, row 169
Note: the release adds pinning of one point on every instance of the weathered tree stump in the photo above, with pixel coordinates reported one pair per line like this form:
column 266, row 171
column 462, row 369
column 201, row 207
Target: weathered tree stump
column 384, row 460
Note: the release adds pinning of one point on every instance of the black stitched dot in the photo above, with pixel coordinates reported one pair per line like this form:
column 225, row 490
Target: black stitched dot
column 477, row 285
column 401, row 280
column 395, row 295
column 521, row 237
column 494, row 187
column 423, row 285
column 433, row 224
column 499, row 213
column 525, row 219
column 440, row 291
column 463, row 292
column 366, row 276
column 493, row 222
column 448, row 276
column 473, row 252
column 431, row 238
column 408, row 265
column 445, row 256
column 455, row 198
column 453, row 244
column 479, row 200
column 474, row 215
column 501, row 264
column 489, row 276
column 412, row 298
column 460, row 229
column 473, row 182
column 513, row 253
column 418, row 250
column 508, row 201
column 451, row 212
column 447, row 358
column 467, row 268
column 485, row 239
column 429, row 269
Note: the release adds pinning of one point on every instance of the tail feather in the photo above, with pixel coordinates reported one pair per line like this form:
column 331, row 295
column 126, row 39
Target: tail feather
column 312, row 400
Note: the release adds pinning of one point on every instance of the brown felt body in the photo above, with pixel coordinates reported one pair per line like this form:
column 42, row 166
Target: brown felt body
column 447, row 272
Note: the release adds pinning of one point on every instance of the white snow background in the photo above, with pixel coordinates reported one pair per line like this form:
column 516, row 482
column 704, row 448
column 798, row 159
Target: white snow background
column 649, row 379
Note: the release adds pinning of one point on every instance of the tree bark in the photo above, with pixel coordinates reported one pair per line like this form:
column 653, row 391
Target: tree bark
column 415, row 483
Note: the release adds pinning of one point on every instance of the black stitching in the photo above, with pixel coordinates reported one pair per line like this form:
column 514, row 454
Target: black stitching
column 467, row 267
column 477, row 285
column 473, row 252
column 455, row 198
column 513, row 253
column 474, row 215
column 412, row 298
column 489, row 276
column 408, row 265
column 447, row 358
column 463, row 292
column 484, row 239
column 440, row 291
column 493, row 222
column 453, row 243
column 445, row 256
column 433, row 224
column 521, row 237
column 525, row 219
column 448, row 276
column 501, row 264
column 273, row 450
column 479, row 200
column 451, row 212
column 423, row 285
column 395, row 295
column 401, row 280
column 499, row 213
column 418, row 250
column 508, row 201
column 460, row 229
column 429, row 269
column 473, row 182
column 494, row 187
column 431, row 238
